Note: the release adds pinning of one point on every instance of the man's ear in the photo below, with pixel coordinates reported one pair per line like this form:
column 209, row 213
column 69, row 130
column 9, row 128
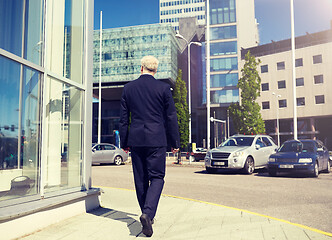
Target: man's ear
column 141, row 69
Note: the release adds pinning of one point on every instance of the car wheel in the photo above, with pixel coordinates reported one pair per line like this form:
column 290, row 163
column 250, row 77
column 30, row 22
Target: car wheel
column 328, row 169
column 249, row 166
column 211, row 170
column 316, row 170
column 118, row 160
column 272, row 173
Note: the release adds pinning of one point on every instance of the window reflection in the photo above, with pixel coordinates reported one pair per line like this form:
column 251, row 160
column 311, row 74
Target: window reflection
column 18, row 139
column 11, row 19
column 64, row 128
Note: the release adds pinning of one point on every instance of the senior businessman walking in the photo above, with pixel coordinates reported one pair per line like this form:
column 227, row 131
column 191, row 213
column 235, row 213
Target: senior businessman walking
column 148, row 123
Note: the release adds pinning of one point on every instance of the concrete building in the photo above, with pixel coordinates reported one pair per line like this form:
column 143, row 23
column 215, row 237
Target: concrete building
column 45, row 126
column 122, row 50
column 313, row 86
column 171, row 11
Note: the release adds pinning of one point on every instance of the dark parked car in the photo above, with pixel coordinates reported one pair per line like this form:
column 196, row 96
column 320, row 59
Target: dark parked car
column 309, row 156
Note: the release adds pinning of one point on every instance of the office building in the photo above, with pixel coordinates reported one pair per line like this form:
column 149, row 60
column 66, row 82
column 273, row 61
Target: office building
column 232, row 26
column 313, row 61
column 171, row 11
column 45, row 126
column 122, row 50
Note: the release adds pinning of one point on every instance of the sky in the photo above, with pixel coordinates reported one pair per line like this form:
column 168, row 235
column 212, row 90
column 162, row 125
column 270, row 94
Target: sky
column 273, row 16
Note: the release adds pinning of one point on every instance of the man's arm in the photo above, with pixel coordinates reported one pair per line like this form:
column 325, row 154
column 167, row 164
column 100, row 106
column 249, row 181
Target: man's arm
column 124, row 120
column 171, row 121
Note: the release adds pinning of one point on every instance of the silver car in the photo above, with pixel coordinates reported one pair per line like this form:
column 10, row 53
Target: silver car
column 247, row 152
column 108, row 153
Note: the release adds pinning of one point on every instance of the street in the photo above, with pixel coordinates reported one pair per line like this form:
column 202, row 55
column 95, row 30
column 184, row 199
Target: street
column 302, row 200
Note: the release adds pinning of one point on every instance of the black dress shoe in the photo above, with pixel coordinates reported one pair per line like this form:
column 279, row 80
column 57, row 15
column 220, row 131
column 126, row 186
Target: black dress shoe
column 147, row 225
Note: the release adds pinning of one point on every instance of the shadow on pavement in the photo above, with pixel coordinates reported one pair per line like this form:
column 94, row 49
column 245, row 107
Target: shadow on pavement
column 134, row 226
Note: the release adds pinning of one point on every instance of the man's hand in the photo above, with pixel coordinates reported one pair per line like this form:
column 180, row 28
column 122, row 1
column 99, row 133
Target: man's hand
column 174, row 150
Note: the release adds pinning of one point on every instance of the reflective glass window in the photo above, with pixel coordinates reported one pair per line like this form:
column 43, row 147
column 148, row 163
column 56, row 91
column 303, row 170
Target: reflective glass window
column 11, row 19
column 320, row 99
column 223, row 80
column 280, row 65
column 299, row 81
column 223, row 48
column 222, row 11
column 264, row 68
column 265, row 86
column 64, row 131
column 317, row 59
column 224, row 96
column 65, row 46
column 223, row 32
column 282, row 103
column 300, row 101
column 9, row 114
column 265, row 105
column 224, row 64
column 19, row 130
column 318, row 79
column 299, row 62
column 33, row 39
column 281, row 84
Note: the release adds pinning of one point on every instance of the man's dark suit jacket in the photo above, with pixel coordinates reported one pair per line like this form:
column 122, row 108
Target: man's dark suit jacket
column 148, row 115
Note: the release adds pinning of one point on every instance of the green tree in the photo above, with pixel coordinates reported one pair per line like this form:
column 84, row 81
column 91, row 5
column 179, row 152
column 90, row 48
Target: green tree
column 180, row 100
column 247, row 117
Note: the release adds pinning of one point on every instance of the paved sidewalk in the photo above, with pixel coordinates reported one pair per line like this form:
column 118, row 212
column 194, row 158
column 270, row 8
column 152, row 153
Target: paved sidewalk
column 177, row 218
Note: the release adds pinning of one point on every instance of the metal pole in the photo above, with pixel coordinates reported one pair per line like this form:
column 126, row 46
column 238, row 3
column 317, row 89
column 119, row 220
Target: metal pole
column 99, row 103
column 208, row 73
column 278, row 131
column 293, row 70
column 227, row 124
column 189, row 92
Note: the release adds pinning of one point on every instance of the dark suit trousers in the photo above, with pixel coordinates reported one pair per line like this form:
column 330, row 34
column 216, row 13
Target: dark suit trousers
column 149, row 172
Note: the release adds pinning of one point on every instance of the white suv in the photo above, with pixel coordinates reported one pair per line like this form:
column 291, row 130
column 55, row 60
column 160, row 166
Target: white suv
column 247, row 152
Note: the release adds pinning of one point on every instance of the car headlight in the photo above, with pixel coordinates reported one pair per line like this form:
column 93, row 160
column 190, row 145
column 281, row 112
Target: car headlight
column 238, row 154
column 208, row 155
column 305, row 160
column 272, row 159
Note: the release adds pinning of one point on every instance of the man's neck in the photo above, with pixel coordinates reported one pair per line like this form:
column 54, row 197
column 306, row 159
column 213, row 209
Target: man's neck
column 148, row 72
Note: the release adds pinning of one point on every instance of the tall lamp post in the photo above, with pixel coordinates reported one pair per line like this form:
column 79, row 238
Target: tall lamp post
column 278, row 131
column 189, row 88
column 293, row 69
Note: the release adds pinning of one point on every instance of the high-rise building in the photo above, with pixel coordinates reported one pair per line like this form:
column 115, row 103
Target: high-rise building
column 232, row 26
column 171, row 11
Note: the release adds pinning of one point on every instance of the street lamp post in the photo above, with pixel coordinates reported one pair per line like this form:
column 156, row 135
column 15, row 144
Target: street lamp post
column 189, row 87
column 293, row 69
column 278, row 132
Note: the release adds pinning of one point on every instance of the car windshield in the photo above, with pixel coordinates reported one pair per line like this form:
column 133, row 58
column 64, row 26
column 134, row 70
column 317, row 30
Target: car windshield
column 297, row 147
column 238, row 141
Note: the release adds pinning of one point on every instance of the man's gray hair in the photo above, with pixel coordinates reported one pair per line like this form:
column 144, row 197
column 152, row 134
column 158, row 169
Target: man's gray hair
column 150, row 63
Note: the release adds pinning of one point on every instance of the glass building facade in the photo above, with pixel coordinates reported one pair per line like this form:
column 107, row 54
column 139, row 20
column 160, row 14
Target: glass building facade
column 45, row 97
column 121, row 53
column 123, row 48
column 223, row 52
